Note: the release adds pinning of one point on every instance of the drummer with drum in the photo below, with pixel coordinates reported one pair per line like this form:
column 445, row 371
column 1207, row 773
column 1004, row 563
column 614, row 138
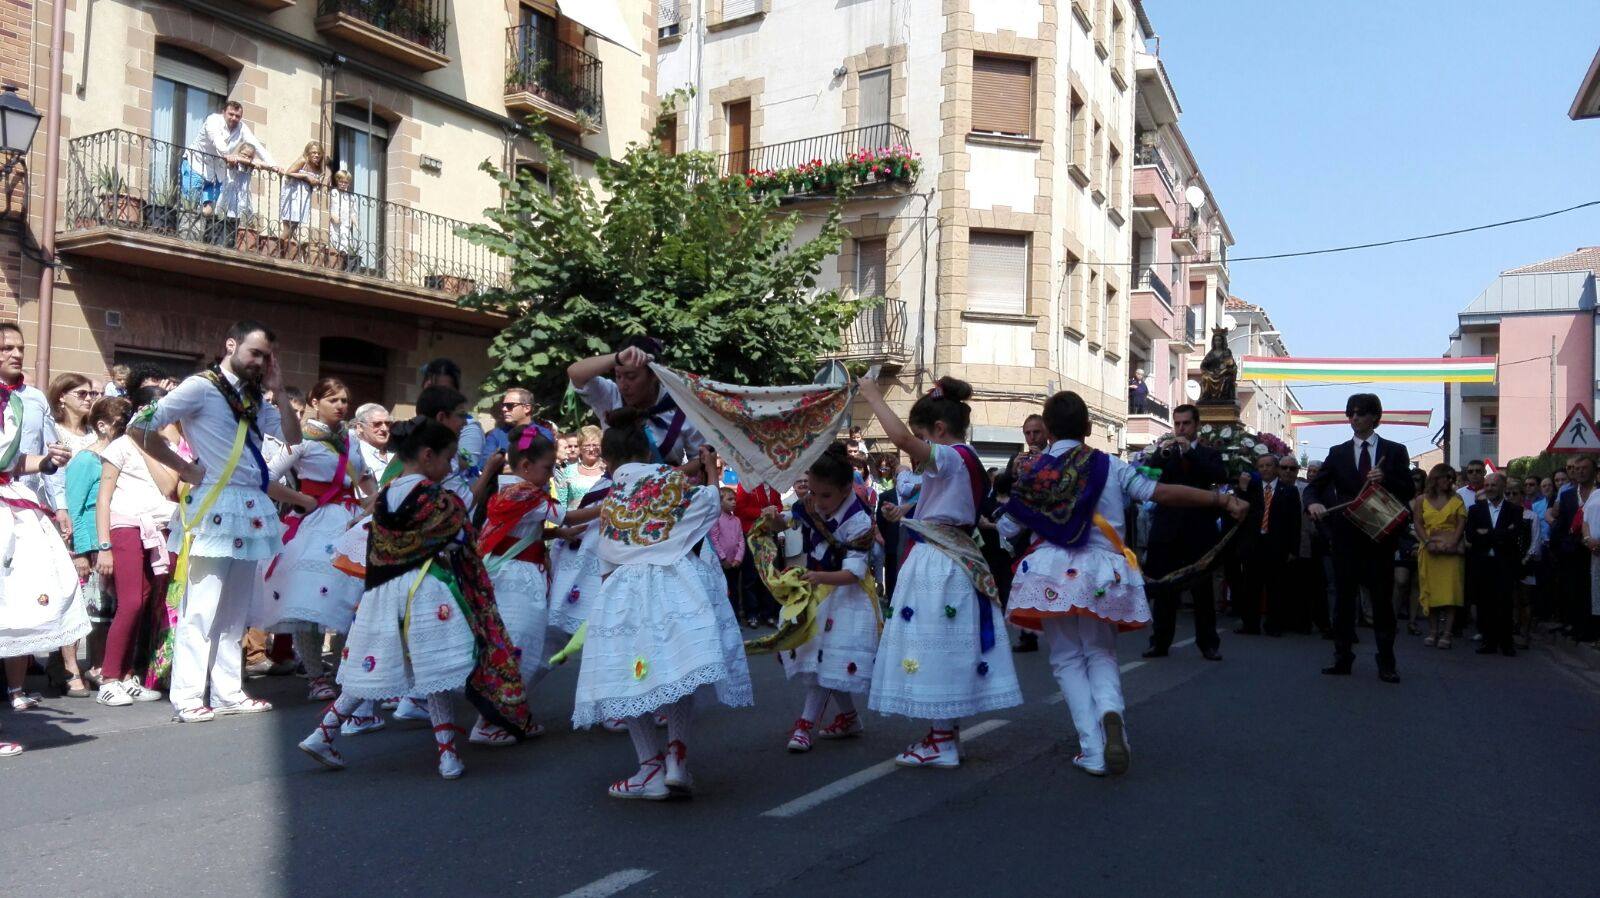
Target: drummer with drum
column 1362, row 490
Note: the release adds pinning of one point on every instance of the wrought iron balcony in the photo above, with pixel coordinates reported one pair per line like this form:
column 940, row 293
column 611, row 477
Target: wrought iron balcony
column 1149, row 155
column 855, row 158
column 148, row 202
column 1149, row 280
column 1151, row 406
column 552, row 76
column 877, row 335
column 411, row 31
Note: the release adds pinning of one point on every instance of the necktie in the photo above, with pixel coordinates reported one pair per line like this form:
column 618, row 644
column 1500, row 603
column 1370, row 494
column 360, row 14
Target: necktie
column 1365, row 464
column 1266, row 510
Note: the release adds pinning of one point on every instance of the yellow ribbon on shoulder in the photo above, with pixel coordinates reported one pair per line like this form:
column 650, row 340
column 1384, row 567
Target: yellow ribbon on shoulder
column 180, row 569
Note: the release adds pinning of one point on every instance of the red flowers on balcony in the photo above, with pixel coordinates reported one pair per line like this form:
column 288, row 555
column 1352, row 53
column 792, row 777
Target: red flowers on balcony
column 890, row 164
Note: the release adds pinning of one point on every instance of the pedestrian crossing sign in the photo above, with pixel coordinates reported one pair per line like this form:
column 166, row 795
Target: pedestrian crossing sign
column 1576, row 434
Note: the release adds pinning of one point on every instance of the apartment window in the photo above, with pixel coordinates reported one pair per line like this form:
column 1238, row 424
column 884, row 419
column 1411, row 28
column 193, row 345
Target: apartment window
column 187, row 87
column 875, row 107
column 1489, row 346
column 997, row 273
column 1119, row 41
column 668, row 19
column 1092, row 300
column 738, row 115
column 1002, row 95
column 1115, row 186
column 538, row 173
column 733, row 9
column 1078, row 113
column 1489, row 423
column 872, row 266
column 1097, row 158
column 361, row 147
column 1111, row 321
column 538, row 35
column 667, row 135
column 1075, row 297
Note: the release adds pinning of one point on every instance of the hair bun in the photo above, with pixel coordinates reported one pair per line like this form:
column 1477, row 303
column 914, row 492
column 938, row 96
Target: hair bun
column 624, row 418
column 955, row 389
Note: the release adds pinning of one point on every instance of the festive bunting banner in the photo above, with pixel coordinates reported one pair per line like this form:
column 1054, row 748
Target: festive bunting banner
column 1476, row 369
column 1408, row 418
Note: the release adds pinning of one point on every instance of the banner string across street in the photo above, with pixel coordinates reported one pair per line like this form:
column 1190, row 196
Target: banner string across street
column 1473, row 369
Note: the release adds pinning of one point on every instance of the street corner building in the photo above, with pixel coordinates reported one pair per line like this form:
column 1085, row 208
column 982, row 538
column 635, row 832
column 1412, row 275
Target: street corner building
column 1057, row 233
column 160, row 243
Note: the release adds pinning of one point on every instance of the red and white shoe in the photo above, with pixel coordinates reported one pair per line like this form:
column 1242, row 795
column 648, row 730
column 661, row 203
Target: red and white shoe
column 937, row 749
column 10, row 749
column 680, row 783
column 450, row 766
column 248, row 706
column 648, row 783
column 355, row 725
column 1081, row 763
column 319, row 745
column 486, row 733
column 846, row 726
column 800, row 739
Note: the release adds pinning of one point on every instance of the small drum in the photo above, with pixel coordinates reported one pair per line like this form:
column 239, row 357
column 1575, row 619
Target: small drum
column 1376, row 513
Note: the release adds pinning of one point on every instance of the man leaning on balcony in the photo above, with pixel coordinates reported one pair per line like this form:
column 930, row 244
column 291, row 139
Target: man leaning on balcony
column 217, row 145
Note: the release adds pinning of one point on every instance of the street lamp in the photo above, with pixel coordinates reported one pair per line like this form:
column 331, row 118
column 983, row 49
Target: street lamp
column 19, row 121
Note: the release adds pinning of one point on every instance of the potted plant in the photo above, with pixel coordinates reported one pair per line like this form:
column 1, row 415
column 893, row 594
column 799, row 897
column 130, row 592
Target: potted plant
column 161, row 213
column 117, row 205
column 455, row 285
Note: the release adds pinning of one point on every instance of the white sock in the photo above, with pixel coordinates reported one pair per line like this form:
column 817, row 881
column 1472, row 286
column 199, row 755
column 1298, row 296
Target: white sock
column 341, row 708
column 442, row 712
column 679, row 715
column 816, row 703
column 646, row 741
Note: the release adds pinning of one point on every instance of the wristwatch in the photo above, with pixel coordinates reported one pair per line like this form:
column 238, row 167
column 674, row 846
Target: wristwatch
column 104, row 547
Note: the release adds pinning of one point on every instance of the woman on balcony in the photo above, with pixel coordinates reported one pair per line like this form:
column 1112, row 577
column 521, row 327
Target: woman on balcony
column 303, row 176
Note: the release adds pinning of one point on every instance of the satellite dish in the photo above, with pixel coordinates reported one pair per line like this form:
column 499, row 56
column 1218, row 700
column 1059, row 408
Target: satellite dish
column 1230, row 322
column 1192, row 389
column 1195, row 196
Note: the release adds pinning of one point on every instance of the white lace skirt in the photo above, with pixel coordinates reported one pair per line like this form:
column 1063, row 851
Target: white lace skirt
column 657, row 633
column 305, row 587
column 841, row 655
column 521, row 593
column 41, row 606
column 576, row 581
column 930, row 662
column 1053, row 582
column 432, row 652
column 242, row 524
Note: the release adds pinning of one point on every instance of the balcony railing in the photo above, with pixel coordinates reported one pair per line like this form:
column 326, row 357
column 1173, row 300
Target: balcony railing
column 1149, row 280
column 1149, row 155
column 555, row 70
column 422, row 22
column 1193, row 333
column 1151, row 406
column 878, row 334
column 821, row 164
column 129, row 183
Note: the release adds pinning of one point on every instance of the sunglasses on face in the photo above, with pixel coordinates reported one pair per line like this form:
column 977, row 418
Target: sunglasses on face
column 84, row 394
column 511, row 404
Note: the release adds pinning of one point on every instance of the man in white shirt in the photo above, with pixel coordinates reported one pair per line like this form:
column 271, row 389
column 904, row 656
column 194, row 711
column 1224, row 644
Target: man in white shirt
column 38, row 427
column 1469, row 494
column 215, row 149
column 229, row 526
column 372, row 427
column 673, row 437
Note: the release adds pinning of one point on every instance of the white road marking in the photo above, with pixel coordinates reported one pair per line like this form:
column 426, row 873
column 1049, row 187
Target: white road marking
column 611, row 885
column 861, row 777
column 1058, row 698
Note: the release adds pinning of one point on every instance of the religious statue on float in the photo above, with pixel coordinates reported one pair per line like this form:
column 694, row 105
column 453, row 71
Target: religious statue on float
column 1219, row 373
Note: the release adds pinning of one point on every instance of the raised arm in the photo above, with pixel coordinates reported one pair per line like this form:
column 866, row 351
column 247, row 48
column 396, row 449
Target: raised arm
column 585, row 370
column 900, row 435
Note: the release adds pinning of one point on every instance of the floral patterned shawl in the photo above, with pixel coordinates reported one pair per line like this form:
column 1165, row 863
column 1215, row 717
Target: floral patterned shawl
column 428, row 526
column 1055, row 495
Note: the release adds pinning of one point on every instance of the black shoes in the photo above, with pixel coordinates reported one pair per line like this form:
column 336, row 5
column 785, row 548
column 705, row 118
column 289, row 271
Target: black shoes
column 1211, row 654
column 1389, row 676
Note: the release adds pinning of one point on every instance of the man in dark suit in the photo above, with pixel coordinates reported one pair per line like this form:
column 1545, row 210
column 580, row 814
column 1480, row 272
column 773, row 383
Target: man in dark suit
column 1180, row 536
column 1497, row 538
column 1571, row 553
column 1277, row 541
column 1359, row 561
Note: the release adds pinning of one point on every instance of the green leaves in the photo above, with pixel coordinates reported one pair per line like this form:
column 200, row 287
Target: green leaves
column 661, row 245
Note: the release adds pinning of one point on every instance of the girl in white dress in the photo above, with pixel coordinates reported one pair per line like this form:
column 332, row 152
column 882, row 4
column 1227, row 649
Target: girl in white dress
column 41, row 607
column 658, row 631
column 300, row 181
column 306, row 592
column 835, row 664
column 1078, row 582
column 427, row 624
column 343, row 209
column 943, row 654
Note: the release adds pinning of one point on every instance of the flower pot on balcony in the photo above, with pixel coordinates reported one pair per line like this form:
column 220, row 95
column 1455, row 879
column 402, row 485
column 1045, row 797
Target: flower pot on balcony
column 161, row 218
column 269, row 245
column 294, row 250
column 449, row 283
column 246, row 239
column 334, row 260
column 117, row 208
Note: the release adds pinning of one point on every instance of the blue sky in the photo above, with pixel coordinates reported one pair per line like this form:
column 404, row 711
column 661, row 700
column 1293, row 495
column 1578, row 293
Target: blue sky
column 1322, row 124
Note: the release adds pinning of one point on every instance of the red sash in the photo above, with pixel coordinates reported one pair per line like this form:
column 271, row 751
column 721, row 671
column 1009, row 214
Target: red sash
column 506, row 510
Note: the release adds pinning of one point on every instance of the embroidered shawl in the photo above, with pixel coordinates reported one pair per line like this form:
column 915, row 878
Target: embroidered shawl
column 507, row 508
column 653, row 515
column 1055, row 495
column 426, row 528
column 768, row 435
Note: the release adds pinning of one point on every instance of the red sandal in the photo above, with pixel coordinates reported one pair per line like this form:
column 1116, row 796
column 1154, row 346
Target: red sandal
column 652, row 788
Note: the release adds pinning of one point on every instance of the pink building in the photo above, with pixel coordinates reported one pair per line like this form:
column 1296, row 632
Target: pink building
column 1539, row 320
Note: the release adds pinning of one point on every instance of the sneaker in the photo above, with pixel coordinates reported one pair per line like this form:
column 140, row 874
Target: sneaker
column 845, row 726
column 323, row 751
column 10, row 749
column 411, row 709
column 1082, row 763
column 257, row 669
column 800, row 739
column 139, row 693
column 648, row 783
column 114, row 695
column 1116, row 743
column 247, row 706
column 680, row 784
column 197, row 714
column 355, row 725
column 937, row 749
column 321, row 690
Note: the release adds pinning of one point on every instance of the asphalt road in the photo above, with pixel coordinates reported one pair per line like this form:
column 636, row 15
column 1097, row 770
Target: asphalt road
column 1254, row 776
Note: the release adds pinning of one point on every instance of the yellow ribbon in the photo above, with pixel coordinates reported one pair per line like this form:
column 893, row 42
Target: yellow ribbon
column 180, row 569
column 1110, row 533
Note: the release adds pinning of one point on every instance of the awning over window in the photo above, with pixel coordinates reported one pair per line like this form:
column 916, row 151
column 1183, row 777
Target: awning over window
column 603, row 18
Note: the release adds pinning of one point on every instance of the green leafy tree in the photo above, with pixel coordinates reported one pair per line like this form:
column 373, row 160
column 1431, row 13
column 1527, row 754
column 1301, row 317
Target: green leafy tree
column 665, row 247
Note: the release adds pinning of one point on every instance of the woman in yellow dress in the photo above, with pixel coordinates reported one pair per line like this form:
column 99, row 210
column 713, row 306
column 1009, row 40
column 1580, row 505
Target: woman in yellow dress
column 1439, row 518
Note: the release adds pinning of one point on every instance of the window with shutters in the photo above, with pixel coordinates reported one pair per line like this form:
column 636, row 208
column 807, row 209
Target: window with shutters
column 1111, row 320
column 1078, row 121
column 874, row 118
column 667, row 135
column 872, row 267
column 1097, row 160
column 1002, row 96
column 997, row 273
column 738, row 116
column 733, row 9
column 1094, row 301
column 187, row 87
column 1114, row 173
column 1076, row 299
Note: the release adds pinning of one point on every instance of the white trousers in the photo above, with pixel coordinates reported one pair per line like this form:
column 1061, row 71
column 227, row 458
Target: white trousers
column 210, row 624
column 1083, row 655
